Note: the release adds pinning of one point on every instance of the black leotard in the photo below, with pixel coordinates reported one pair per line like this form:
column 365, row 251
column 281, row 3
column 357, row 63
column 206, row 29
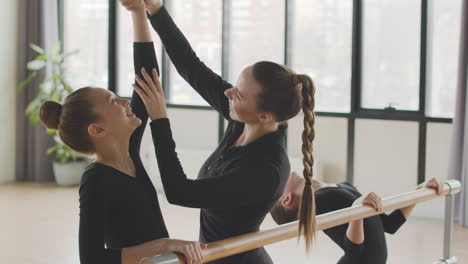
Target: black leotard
column 374, row 248
column 236, row 186
column 117, row 210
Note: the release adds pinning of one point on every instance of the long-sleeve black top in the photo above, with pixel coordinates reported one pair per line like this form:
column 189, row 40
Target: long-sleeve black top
column 236, row 186
column 117, row 210
column 374, row 248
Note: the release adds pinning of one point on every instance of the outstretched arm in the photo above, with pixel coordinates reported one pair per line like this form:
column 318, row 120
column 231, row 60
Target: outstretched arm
column 144, row 56
column 216, row 192
column 207, row 83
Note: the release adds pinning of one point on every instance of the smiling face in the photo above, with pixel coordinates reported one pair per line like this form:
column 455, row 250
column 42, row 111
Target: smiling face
column 243, row 99
column 116, row 118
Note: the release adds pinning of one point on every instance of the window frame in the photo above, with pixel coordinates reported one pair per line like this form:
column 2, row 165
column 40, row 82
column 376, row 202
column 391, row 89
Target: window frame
column 356, row 109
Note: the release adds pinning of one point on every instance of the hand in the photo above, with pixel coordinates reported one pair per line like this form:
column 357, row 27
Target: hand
column 153, row 6
column 433, row 184
column 133, row 5
column 151, row 94
column 191, row 250
column 371, row 199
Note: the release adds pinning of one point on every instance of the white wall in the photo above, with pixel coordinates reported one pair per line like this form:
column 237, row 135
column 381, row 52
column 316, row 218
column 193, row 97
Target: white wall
column 8, row 60
column 437, row 155
column 385, row 156
column 330, row 147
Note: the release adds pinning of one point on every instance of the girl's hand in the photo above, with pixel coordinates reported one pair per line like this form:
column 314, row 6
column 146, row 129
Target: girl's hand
column 153, row 6
column 133, row 5
column 151, row 94
column 371, row 199
column 190, row 249
column 433, row 184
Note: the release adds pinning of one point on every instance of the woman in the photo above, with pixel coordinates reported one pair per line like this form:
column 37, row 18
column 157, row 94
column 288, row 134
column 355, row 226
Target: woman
column 120, row 217
column 363, row 241
column 241, row 181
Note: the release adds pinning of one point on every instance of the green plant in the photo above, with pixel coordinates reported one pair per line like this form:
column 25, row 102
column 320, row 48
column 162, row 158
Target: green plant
column 63, row 154
column 49, row 68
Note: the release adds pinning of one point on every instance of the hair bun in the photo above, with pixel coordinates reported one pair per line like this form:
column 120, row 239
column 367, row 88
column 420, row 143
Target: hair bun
column 50, row 114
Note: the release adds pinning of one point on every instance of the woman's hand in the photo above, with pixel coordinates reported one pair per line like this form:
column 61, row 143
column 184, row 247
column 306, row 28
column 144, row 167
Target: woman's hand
column 190, row 249
column 153, row 6
column 433, row 184
column 151, row 94
column 371, row 199
column 133, row 5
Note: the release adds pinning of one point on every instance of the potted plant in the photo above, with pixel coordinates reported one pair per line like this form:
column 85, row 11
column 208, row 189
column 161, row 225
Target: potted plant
column 49, row 68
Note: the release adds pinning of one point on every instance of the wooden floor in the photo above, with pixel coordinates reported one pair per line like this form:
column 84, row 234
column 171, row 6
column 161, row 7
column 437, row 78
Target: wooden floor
column 39, row 225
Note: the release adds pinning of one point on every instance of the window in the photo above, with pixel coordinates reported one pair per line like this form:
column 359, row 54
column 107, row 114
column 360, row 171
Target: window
column 257, row 30
column 201, row 23
column 321, row 44
column 125, row 71
column 86, row 30
column 443, row 47
column 391, row 54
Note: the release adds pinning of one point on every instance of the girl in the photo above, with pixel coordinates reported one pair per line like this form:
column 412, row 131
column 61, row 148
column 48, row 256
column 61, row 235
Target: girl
column 120, row 217
column 241, row 181
column 363, row 241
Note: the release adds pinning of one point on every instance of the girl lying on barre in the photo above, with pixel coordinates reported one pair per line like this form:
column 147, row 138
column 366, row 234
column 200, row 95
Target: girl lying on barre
column 363, row 241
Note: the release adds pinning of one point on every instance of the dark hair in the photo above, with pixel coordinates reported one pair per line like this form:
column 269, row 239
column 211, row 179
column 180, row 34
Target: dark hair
column 71, row 119
column 283, row 94
column 283, row 215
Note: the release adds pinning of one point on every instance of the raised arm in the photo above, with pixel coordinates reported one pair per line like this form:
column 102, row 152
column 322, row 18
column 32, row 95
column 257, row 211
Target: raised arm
column 206, row 82
column 397, row 218
column 256, row 184
column 144, row 56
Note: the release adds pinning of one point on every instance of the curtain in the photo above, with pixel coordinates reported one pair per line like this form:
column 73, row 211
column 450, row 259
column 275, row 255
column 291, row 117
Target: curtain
column 37, row 24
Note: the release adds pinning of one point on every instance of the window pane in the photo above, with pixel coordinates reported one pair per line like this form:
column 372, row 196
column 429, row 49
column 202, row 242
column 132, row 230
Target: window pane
column 125, row 72
column 257, row 33
column 391, row 52
column 201, row 23
column 321, row 42
column 443, row 48
column 86, row 27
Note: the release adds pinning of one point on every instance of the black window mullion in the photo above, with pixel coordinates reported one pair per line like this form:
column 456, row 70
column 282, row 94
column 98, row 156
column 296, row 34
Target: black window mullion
column 288, row 28
column 166, row 65
column 225, row 40
column 112, row 50
column 356, row 74
column 422, row 145
column 423, row 59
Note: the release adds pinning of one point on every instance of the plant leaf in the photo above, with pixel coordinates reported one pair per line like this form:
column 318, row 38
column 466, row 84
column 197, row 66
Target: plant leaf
column 55, row 50
column 27, row 81
column 36, row 65
column 62, row 56
column 36, row 48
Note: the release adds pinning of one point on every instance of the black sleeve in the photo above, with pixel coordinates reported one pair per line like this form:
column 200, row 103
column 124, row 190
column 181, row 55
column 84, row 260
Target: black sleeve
column 258, row 184
column 393, row 221
column 351, row 249
column 144, row 55
column 206, row 82
column 91, row 230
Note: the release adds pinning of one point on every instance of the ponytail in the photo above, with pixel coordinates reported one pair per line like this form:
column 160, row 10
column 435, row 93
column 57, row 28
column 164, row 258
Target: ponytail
column 307, row 219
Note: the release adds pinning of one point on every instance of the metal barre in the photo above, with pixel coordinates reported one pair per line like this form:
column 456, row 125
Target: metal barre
column 236, row 245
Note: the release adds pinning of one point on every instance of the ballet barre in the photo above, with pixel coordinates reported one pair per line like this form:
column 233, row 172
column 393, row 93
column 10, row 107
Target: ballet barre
column 243, row 243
